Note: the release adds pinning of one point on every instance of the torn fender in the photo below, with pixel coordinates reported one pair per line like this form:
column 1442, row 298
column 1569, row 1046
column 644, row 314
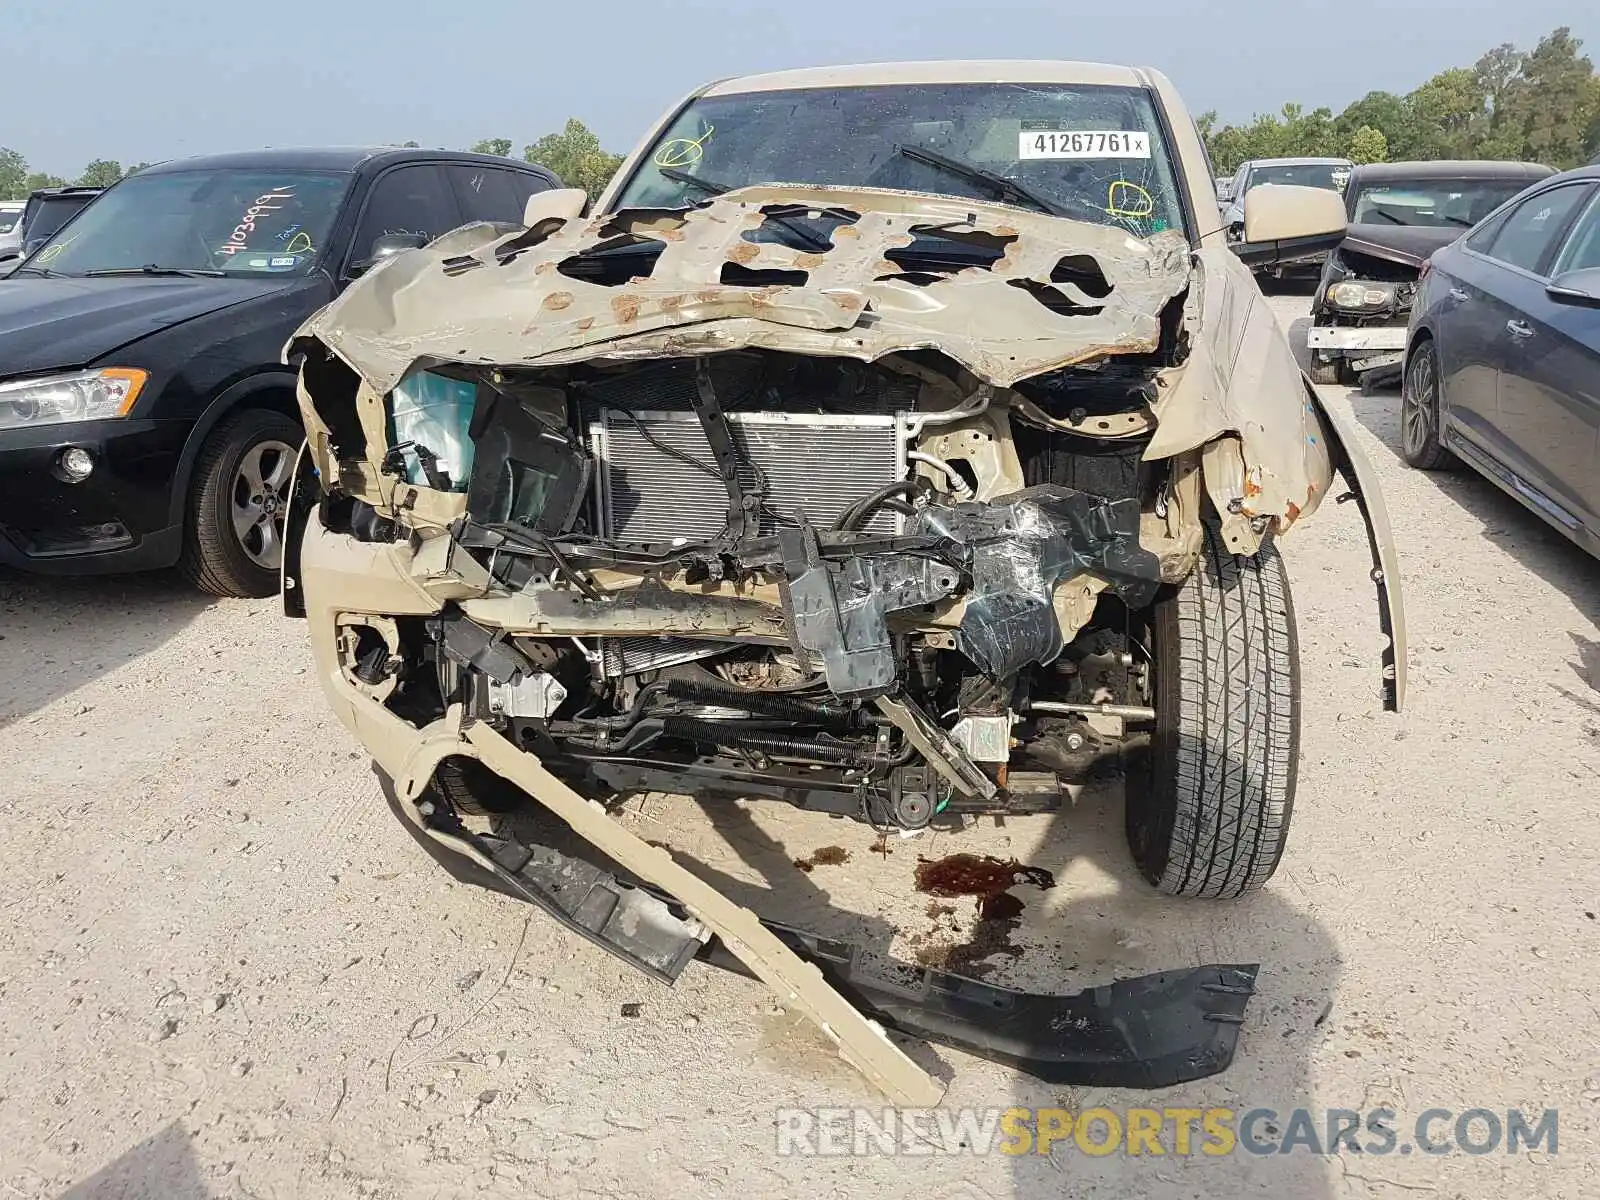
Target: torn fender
column 1269, row 446
column 1241, row 397
column 1362, row 481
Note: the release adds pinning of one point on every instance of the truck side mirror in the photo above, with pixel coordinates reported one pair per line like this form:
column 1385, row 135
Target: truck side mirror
column 386, row 247
column 1285, row 222
column 564, row 203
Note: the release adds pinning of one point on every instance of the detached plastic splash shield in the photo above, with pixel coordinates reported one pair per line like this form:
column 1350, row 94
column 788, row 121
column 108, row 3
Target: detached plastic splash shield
column 1147, row 1032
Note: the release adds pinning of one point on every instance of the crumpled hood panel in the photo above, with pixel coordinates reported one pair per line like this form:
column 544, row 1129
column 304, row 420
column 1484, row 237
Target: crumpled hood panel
column 476, row 296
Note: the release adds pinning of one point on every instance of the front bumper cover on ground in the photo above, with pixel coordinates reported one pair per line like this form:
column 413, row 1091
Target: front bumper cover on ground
column 1151, row 1031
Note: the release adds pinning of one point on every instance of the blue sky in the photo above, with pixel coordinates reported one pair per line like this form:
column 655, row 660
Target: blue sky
column 155, row 79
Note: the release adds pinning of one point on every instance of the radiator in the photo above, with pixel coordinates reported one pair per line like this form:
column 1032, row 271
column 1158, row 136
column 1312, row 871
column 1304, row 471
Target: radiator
column 630, row 655
column 813, row 464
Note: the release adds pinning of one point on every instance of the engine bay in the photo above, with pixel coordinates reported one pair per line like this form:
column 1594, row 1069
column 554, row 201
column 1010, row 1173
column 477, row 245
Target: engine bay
column 886, row 591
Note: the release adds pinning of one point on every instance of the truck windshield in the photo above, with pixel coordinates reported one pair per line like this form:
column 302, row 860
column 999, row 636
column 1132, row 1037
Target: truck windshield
column 1094, row 153
column 1329, row 176
column 1454, row 203
column 9, row 217
column 230, row 222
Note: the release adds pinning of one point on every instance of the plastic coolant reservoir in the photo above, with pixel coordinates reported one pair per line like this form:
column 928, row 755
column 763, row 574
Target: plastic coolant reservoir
column 433, row 412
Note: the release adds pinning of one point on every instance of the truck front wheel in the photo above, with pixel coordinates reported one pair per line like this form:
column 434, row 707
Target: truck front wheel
column 1209, row 799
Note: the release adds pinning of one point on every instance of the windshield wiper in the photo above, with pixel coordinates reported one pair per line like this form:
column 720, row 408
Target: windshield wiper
column 153, row 269
column 1004, row 189
column 45, row 271
column 709, row 186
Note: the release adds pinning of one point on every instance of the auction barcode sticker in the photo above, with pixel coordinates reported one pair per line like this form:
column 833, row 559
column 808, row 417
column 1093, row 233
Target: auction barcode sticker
column 1083, row 143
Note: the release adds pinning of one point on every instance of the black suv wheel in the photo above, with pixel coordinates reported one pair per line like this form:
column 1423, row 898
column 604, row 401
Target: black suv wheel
column 233, row 545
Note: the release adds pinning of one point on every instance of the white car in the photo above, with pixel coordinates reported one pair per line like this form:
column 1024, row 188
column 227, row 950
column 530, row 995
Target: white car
column 11, row 225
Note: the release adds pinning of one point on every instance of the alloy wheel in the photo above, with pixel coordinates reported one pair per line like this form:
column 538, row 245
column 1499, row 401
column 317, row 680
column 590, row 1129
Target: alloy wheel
column 1419, row 405
column 260, row 501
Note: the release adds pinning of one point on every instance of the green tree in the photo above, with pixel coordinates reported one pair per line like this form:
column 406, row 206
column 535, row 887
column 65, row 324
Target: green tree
column 38, row 179
column 1317, row 134
column 102, row 172
column 499, row 147
column 1447, row 111
column 1391, row 116
column 1368, row 145
column 1592, row 139
column 13, row 175
column 1499, row 74
column 1548, row 108
column 576, row 156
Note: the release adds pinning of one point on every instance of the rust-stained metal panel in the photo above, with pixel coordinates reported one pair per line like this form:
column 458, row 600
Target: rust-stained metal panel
column 506, row 302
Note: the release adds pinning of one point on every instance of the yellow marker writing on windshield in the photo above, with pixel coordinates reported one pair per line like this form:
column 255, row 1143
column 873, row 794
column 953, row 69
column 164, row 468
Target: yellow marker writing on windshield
column 1126, row 199
column 300, row 243
column 683, row 152
column 50, row 253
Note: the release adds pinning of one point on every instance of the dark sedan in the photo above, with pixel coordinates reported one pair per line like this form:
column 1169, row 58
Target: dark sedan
column 1503, row 359
column 1399, row 213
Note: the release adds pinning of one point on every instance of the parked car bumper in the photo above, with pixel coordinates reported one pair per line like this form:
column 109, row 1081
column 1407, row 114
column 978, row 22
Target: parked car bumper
column 1367, row 347
column 1346, row 338
column 119, row 518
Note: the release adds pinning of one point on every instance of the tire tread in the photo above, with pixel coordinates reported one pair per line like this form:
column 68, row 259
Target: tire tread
column 1235, row 695
column 211, row 560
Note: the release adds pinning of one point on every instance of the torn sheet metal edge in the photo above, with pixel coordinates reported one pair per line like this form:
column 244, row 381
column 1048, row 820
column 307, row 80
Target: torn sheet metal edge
column 1362, row 480
column 862, row 1042
column 1152, row 1031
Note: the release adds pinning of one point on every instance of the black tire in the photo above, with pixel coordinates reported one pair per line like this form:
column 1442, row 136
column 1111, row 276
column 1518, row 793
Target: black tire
column 1208, row 808
column 1420, row 411
column 217, row 556
column 1324, row 370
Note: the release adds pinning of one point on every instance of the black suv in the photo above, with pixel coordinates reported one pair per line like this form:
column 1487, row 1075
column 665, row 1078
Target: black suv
column 46, row 211
column 146, row 419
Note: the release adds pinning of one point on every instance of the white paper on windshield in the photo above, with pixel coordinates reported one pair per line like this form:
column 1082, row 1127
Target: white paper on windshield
column 1083, row 143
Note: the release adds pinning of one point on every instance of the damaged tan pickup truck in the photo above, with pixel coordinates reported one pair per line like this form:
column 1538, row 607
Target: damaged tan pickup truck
column 886, row 441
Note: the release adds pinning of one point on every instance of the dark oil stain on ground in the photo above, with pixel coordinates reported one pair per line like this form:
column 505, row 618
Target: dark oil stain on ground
column 986, row 879
column 827, row 856
column 976, row 875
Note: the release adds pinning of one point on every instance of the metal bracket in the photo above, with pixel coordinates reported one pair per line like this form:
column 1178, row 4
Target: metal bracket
column 744, row 511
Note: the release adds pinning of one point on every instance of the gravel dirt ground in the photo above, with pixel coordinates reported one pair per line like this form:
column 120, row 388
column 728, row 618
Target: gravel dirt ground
column 225, row 969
